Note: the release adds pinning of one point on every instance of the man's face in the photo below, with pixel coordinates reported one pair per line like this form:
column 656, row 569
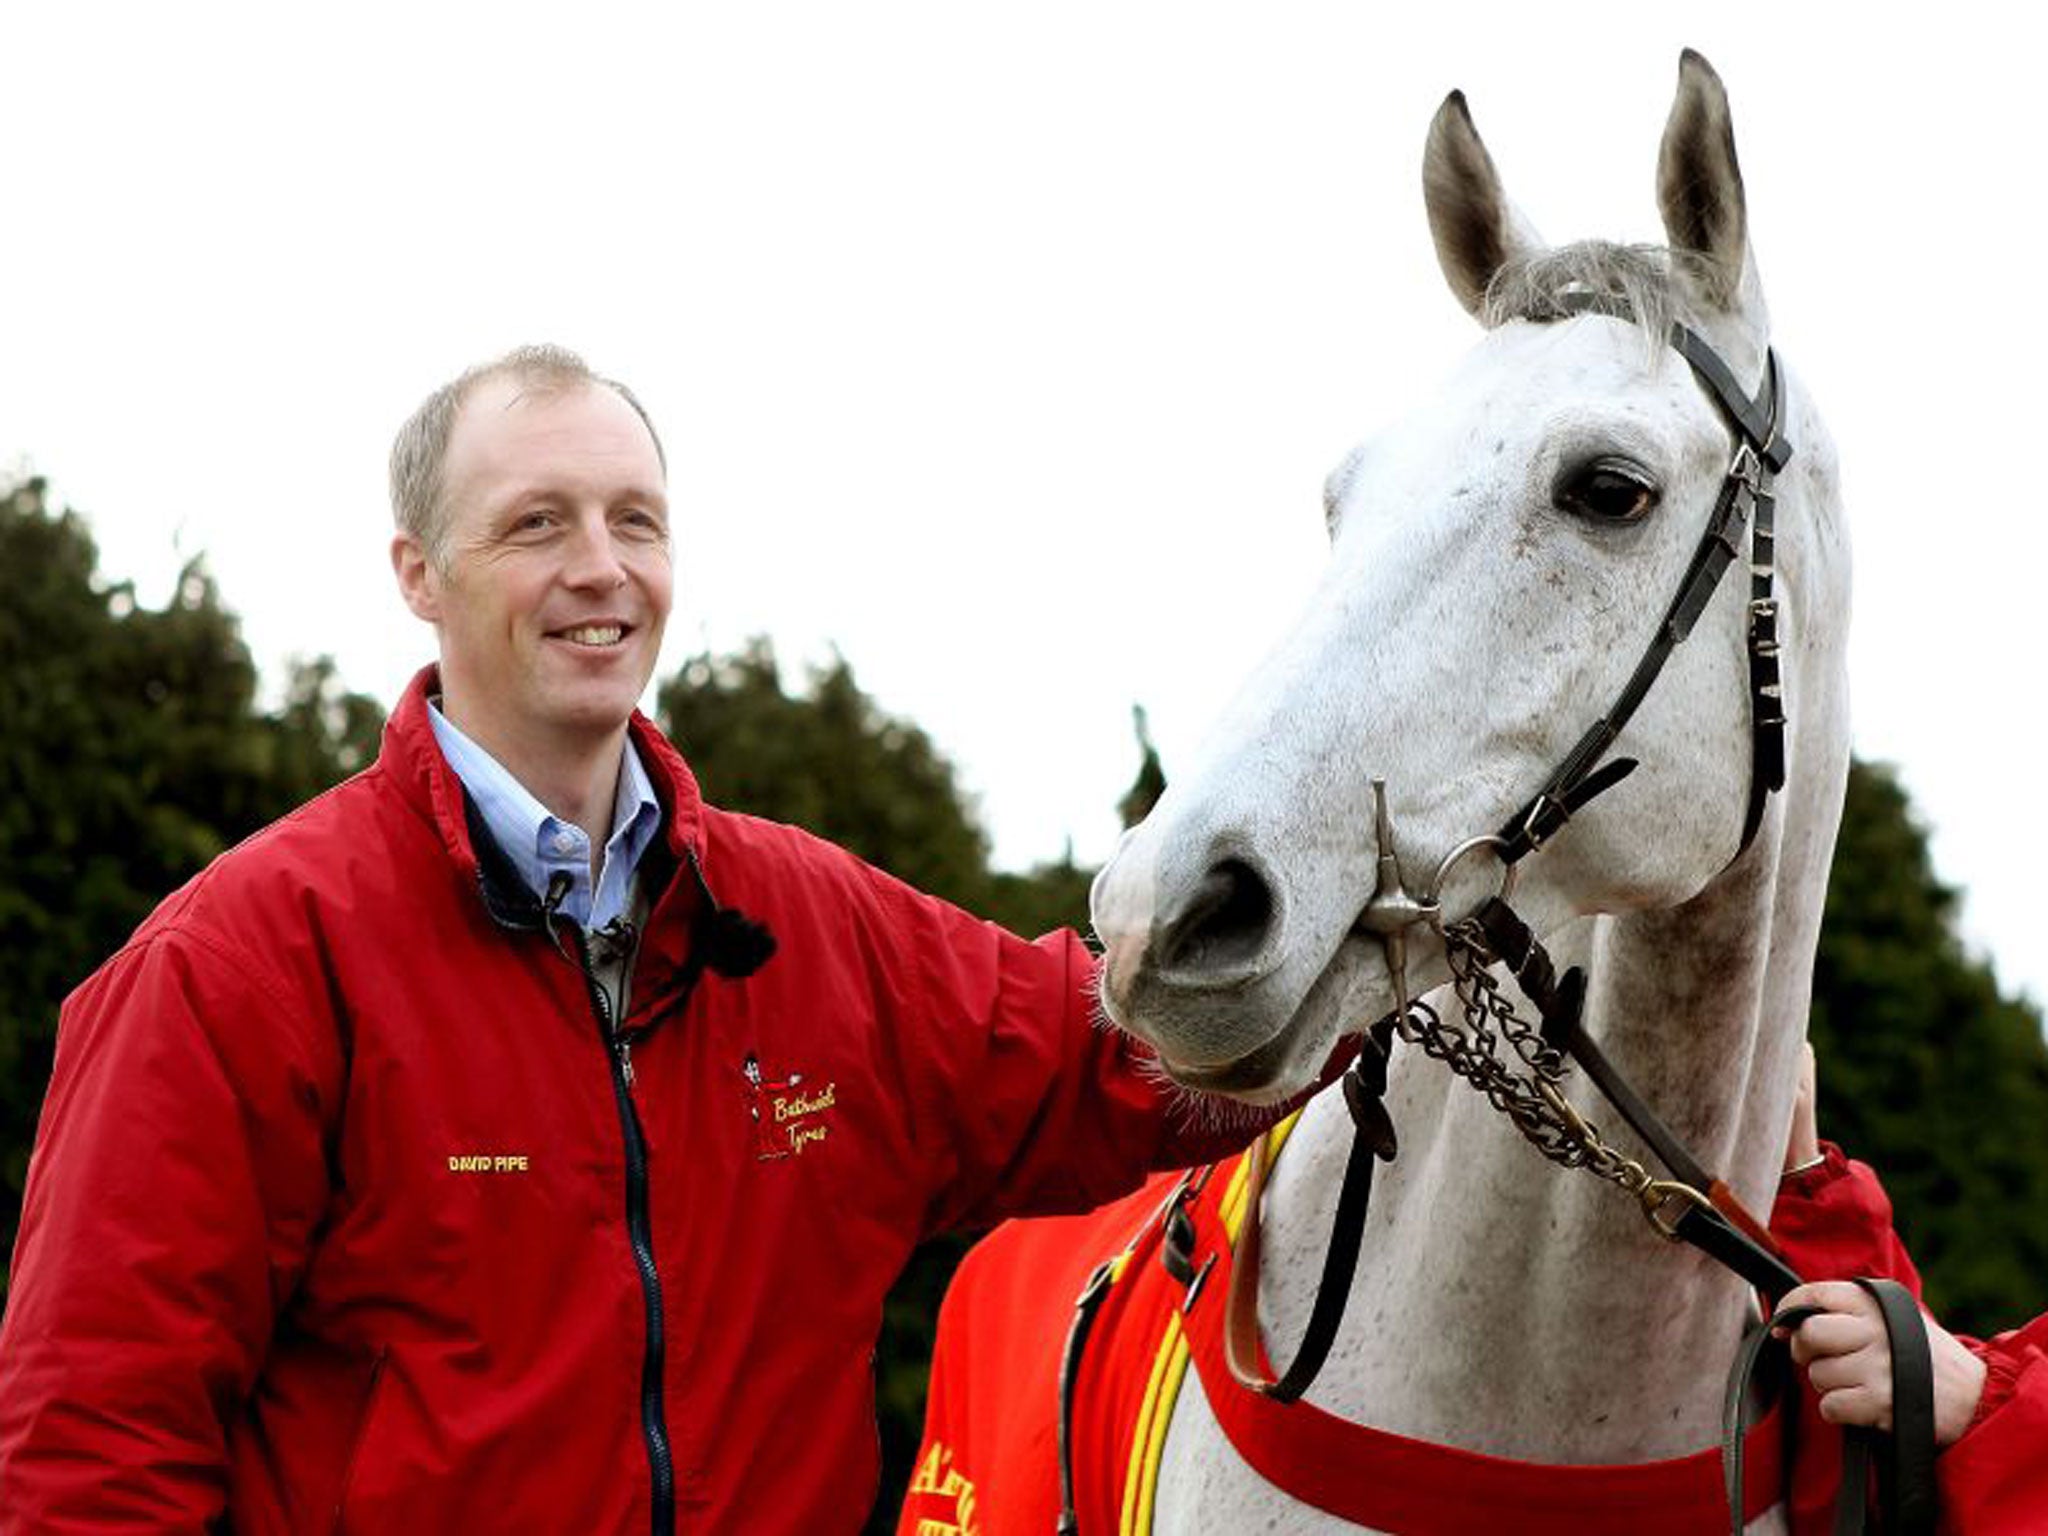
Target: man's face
column 556, row 579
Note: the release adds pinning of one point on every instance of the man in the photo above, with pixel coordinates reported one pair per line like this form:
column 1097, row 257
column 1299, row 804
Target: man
column 507, row 1140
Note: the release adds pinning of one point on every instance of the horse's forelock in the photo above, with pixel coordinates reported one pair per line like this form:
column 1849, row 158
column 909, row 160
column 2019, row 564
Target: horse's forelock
column 1650, row 282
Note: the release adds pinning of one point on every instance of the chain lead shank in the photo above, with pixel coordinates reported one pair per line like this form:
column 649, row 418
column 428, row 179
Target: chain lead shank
column 1526, row 1081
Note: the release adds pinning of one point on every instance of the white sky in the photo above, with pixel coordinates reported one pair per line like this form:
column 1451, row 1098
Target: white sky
column 1004, row 348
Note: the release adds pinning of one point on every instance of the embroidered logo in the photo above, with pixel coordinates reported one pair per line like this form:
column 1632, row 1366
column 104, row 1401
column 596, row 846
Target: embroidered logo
column 788, row 1115
column 941, row 1497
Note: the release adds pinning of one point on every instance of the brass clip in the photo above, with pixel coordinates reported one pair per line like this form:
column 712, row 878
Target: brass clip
column 1574, row 1123
column 1665, row 1203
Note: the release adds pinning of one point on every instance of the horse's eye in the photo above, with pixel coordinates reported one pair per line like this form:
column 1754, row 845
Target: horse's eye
column 1606, row 492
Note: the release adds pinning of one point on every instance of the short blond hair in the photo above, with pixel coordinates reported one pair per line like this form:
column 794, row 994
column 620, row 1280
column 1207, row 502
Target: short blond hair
column 420, row 451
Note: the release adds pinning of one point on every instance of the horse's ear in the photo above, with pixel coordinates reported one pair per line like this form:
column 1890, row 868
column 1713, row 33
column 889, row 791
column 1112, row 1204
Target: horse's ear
column 1699, row 186
column 1475, row 228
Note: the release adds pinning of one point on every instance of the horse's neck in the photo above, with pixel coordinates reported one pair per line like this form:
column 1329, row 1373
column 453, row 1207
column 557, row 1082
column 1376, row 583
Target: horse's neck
column 1509, row 1306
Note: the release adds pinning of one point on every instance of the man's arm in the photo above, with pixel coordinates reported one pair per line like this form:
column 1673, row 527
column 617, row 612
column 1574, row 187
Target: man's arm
column 1023, row 1101
column 1052, row 1109
column 177, row 1177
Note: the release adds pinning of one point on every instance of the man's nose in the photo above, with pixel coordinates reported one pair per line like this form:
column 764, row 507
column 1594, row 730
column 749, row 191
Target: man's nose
column 594, row 557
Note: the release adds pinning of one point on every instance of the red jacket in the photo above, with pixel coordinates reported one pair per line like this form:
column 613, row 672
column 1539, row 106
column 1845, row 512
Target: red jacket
column 346, row 1215
column 1836, row 1222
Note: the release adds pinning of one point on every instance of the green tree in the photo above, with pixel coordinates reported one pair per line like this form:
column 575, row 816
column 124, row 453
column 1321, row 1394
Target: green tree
column 1929, row 1073
column 134, row 753
column 1042, row 898
column 1150, row 783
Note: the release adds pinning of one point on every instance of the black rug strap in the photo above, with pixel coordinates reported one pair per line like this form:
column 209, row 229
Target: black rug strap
column 1372, row 1140
column 1340, row 1263
column 1085, row 1307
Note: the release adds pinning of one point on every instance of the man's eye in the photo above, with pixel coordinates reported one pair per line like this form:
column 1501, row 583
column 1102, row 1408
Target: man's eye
column 1606, row 491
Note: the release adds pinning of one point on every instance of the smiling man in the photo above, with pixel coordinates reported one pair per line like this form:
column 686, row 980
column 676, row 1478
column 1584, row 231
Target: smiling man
column 507, row 1140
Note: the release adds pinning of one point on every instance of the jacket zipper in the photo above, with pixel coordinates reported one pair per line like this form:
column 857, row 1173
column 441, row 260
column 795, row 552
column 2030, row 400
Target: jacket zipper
column 653, row 1419
column 355, row 1440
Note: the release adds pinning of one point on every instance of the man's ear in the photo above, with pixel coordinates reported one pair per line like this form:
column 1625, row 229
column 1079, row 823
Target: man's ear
column 419, row 583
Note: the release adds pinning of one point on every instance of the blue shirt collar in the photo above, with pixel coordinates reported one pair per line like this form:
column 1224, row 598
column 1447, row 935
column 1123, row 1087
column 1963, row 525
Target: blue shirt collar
column 542, row 845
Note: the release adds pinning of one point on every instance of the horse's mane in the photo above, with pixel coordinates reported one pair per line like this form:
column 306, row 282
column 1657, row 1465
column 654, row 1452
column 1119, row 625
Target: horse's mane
column 1655, row 284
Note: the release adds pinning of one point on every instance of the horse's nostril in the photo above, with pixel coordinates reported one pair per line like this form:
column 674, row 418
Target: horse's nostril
column 1223, row 923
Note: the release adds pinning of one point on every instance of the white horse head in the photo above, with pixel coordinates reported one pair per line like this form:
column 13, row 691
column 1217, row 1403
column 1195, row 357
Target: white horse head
column 1500, row 559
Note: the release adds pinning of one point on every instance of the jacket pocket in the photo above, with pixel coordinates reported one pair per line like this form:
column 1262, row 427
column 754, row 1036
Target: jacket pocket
column 372, row 1391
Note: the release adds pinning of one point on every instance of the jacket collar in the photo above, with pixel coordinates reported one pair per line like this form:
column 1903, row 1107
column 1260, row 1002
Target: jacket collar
column 412, row 756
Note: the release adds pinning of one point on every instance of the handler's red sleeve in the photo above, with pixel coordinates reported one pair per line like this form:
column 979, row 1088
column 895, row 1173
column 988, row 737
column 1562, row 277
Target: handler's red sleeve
column 1995, row 1478
column 1025, row 1101
column 1835, row 1223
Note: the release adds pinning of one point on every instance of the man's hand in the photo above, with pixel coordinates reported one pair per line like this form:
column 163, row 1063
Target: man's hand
column 1848, row 1358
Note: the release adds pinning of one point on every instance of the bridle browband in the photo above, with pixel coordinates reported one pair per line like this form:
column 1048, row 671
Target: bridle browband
column 1691, row 1205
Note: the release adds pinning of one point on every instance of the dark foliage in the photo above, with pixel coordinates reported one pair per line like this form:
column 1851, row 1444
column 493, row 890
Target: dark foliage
column 1928, row 1072
column 1150, row 783
column 134, row 752
column 828, row 761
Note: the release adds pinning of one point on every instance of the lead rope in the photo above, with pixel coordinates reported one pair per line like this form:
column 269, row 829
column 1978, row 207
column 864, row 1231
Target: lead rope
column 1904, row 1459
column 1692, row 1205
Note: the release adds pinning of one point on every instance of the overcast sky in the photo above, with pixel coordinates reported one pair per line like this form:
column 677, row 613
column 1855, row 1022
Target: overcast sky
column 1003, row 348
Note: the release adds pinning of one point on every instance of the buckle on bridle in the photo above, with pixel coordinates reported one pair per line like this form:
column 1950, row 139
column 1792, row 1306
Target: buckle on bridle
column 1747, row 467
column 1541, row 810
column 1763, row 626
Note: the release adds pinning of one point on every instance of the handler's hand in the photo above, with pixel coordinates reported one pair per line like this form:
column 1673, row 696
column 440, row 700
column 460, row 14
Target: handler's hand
column 1848, row 1359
